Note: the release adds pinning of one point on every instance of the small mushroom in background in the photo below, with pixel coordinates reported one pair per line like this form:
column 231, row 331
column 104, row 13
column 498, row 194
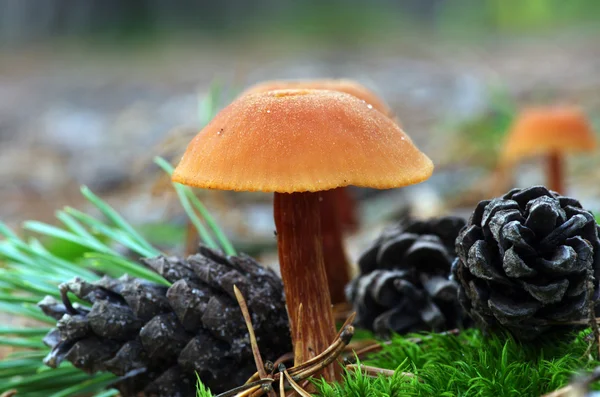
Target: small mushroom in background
column 301, row 144
column 341, row 214
column 551, row 132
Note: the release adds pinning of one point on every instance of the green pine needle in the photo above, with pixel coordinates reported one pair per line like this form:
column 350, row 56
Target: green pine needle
column 116, row 266
column 191, row 204
column 89, row 247
column 31, row 272
column 116, row 219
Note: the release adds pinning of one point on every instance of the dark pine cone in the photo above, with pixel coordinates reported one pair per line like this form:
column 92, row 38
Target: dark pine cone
column 404, row 285
column 526, row 260
column 155, row 338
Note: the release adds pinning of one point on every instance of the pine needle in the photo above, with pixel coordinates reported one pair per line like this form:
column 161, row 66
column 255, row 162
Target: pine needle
column 191, row 203
column 185, row 203
column 260, row 366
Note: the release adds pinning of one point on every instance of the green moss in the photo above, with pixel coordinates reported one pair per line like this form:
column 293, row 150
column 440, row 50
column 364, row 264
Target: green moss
column 470, row 364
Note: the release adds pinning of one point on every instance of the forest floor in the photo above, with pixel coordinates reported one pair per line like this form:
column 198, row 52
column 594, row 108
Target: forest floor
column 97, row 116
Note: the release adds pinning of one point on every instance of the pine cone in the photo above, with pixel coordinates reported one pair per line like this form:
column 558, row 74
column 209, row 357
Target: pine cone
column 155, row 338
column 404, row 283
column 526, row 260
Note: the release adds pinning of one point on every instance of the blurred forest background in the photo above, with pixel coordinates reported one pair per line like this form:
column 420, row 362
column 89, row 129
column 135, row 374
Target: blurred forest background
column 91, row 90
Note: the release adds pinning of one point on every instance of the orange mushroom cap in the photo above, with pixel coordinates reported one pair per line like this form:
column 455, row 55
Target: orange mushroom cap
column 545, row 130
column 301, row 140
column 342, row 85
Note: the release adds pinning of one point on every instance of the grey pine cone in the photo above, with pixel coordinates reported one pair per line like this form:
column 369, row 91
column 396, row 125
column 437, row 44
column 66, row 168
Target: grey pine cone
column 156, row 338
column 404, row 284
column 527, row 260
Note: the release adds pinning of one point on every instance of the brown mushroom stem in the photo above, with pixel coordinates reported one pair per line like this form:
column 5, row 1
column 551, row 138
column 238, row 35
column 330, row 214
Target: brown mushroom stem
column 555, row 178
column 336, row 263
column 347, row 210
column 300, row 245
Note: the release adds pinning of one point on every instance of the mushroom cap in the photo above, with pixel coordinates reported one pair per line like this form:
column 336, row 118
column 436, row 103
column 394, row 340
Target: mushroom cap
column 301, row 140
column 342, row 85
column 544, row 130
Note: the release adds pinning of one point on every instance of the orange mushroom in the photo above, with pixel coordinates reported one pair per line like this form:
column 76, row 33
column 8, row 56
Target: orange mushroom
column 300, row 144
column 342, row 85
column 551, row 132
column 341, row 212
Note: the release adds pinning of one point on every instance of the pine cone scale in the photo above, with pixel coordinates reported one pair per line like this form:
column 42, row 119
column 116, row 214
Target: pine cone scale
column 534, row 252
column 404, row 286
column 156, row 338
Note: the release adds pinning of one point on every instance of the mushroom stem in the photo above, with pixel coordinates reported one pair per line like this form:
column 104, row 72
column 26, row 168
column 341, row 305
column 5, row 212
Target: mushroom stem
column 300, row 245
column 555, row 171
column 347, row 209
column 336, row 262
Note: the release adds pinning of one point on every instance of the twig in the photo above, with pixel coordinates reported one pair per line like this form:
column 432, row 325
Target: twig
column 250, row 392
column 9, row 393
column 348, row 321
column 370, row 371
column 281, row 383
column 454, row 331
column 299, row 347
column 296, row 386
column 256, row 385
column 325, row 358
column 361, row 344
column 245, row 387
column 327, row 352
column 374, row 372
column 378, row 346
column 283, row 359
column 260, row 366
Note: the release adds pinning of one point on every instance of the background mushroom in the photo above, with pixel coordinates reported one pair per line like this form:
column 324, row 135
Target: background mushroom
column 340, row 214
column 552, row 132
column 299, row 144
